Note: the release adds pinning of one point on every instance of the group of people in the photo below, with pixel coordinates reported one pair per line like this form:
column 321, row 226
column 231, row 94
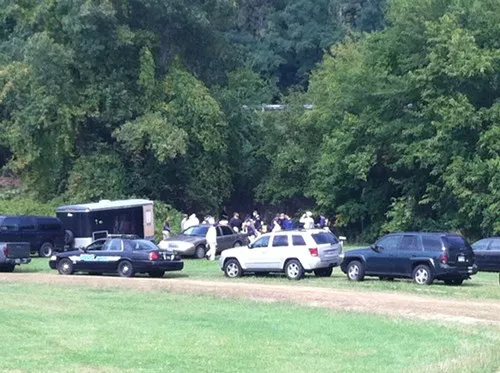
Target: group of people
column 252, row 225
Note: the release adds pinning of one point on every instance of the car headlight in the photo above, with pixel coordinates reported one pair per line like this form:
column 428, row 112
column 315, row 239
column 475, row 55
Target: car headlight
column 53, row 257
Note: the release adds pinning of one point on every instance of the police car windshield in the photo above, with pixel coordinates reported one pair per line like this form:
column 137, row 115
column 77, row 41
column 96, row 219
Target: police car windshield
column 196, row 231
column 143, row 245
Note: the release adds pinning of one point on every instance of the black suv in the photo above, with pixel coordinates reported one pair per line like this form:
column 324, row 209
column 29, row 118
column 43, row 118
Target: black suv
column 44, row 233
column 425, row 257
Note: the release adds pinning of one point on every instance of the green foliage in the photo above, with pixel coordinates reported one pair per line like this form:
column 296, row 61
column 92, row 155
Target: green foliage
column 402, row 123
column 96, row 176
column 286, row 39
column 246, row 129
column 161, row 99
column 165, row 212
column 27, row 206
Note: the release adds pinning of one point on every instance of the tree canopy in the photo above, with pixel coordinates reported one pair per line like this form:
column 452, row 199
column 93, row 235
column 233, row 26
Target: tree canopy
column 162, row 99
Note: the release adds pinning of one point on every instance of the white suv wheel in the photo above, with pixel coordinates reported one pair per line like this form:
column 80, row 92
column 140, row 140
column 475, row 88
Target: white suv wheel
column 294, row 270
column 232, row 269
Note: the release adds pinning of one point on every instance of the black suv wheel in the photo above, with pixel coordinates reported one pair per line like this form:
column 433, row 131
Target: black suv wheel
column 355, row 271
column 422, row 275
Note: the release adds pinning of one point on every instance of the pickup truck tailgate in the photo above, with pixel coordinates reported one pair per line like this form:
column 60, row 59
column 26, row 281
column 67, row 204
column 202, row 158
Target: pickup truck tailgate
column 15, row 250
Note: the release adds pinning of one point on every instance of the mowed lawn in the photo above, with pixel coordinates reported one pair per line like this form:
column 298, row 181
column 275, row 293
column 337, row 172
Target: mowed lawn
column 482, row 286
column 57, row 328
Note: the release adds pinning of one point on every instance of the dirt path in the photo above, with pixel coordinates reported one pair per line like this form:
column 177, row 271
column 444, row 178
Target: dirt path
column 387, row 304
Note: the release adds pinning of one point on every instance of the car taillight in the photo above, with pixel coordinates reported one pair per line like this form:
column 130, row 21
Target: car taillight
column 154, row 255
column 444, row 258
column 313, row 252
column 5, row 250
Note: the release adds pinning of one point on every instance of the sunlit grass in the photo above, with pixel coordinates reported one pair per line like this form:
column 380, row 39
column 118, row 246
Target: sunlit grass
column 53, row 328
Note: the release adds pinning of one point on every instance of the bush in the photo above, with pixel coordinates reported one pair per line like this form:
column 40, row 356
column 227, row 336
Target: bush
column 27, row 206
column 164, row 212
column 100, row 175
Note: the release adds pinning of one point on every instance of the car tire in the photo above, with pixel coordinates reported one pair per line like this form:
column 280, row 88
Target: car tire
column 126, row 269
column 323, row 272
column 232, row 269
column 69, row 237
column 46, row 250
column 156, row 274
column 454, row 282
column 237, row 244
column 294, row 270
column 355, row 271
column 7, row 268
column 422, row 275
column 199, row 252
column 65, row 267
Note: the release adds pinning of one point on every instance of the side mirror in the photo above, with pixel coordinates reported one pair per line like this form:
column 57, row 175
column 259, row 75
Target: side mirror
column 375, row 248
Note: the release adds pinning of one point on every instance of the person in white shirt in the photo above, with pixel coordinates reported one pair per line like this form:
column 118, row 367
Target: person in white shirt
column 307, row 220
column 183, row 221
column 191, row 222
column 211, row 238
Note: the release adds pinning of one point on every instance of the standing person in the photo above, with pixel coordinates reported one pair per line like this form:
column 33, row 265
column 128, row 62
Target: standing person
column 256, row 221
column 307, row 220
column 166, row 230
column 223, row 220
column 249, row 229
column 183, row 221
column 192, row 221
column 287, row 224
column 281, row 220
column 322, row 221
column 276, row 226
column 235, row 222
column 211, row 238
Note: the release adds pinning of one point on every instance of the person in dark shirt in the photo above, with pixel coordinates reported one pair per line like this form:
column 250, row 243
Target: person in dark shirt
column 287, row 223
column 257, row 222
column 235, row 222
column 322, row 221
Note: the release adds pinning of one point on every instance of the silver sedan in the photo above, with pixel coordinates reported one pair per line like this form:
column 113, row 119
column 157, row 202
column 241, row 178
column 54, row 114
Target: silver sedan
column 192, row 242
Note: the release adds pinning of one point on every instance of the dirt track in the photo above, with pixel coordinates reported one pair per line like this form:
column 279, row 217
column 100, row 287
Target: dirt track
column 382, row 303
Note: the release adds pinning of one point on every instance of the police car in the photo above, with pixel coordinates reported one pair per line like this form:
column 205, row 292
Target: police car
column 118, row 255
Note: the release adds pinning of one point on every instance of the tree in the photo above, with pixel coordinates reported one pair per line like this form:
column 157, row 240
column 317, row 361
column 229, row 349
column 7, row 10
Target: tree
column 406, row 118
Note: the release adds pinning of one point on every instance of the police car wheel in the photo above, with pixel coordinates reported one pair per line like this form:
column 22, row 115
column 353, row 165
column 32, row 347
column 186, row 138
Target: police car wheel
column 65, row 267
column 126, row 269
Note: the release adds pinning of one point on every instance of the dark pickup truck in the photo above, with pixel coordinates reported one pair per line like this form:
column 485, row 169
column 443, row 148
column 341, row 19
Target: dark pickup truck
column 12, row 254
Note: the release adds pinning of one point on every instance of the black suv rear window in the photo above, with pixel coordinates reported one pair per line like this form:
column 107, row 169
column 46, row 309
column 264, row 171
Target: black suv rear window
column 432, row 243
column 324, row 238
column 455, row 242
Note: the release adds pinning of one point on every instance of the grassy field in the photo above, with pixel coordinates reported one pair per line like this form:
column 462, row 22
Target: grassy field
column 73, row 329
column 482, row 285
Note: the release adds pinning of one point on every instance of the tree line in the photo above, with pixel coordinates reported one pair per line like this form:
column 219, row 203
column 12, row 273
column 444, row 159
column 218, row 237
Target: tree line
column 154, row 98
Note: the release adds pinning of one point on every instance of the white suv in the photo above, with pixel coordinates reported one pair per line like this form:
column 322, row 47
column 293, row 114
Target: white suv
column 293, row 252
